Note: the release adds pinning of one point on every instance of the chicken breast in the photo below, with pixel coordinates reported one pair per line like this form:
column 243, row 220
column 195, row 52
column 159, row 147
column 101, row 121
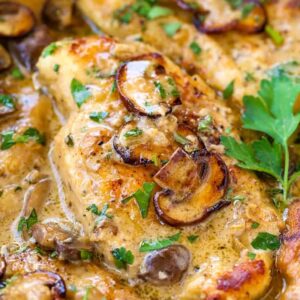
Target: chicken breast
column 126, row 132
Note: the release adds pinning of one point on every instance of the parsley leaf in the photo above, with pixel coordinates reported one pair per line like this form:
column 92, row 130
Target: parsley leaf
column 122, row 257
column 98, row 116
column 158, row 11
column 192, row 238
column 266, row 241
column 102, row 214
column 147, row 246
column 181, row 139
column 161, row 89
column 270, row 112
column 172, row 28
column 275, row 35
column 259, row 156
column 228, row 92
column 28, row 222
column 7, row 101
column 133, row 132
column 86, row 254
column 194, row 46
column 79, row 92
column 17, row 74
column 7, row 140
column 142, row 197
column 49, row 50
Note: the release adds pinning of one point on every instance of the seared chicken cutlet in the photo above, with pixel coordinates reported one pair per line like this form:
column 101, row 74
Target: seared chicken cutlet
column 152, row 189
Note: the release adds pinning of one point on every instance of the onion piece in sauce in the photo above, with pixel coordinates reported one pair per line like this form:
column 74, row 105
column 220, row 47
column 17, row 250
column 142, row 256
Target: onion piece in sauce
column 146, row 87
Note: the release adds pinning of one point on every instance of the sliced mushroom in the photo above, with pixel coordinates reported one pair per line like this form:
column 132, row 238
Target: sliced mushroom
column 36, row 285
column 16, row 19
column 2, row 266
column 5, row 59
column 208, row 22
column 51, row 236
column 192, row 191
column 166, row 266
column 146, row 87
column 58, row 13
column 28, row 50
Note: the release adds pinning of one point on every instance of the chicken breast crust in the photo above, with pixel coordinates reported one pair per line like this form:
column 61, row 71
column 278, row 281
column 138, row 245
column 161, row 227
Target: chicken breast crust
column 94, row 173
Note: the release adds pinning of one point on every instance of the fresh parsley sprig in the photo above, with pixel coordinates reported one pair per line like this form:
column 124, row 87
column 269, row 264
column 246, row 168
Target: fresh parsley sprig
column 270, row 112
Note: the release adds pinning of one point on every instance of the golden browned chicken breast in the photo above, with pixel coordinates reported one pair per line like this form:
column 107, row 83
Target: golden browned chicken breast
column 128, row 140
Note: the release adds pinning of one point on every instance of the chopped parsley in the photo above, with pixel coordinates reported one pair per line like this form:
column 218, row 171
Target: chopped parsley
column 7, row 101
column 275, row 35
column 249, row 77
column 192, row 238
column 161, row 89
column 98, row 116
column 251, row 255
column 247, row 9
column 56, row 68
column 181, row 139
column 79, row 92
column 142, row 197
column 102, row 214
column 235, row 3
column 86, row 254
column 133, row 133
column 194, row 46
column 147, row 246
column 228, row 92
column 255, row 225
column 28, row 222
column 158, row 12
column 205, row 123
column 172, row 28
column 17, row 74
column 31, row 134
column 122, row 257
column 266, row 241
column 49, row 50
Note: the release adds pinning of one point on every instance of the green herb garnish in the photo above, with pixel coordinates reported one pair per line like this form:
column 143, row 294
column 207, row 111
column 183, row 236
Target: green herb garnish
column 122, row 257
column 79, row 92
column 181, row 139
column 86, row 254
column 17, row 74
column 205, row 123
column 147, row 246
column 271, row 112
column 228, row 92
column 102, row 214
column 266, row 241
column 142, row 197
column 172, row 28
column 247, row 9
column 56, row 68
column 275, row 35
column 251, row 255
column 49, row 50
column 161, row 89
column 192, row 238
column 158, row 12
column 133, row 133
column 194, row 46
column 98, row 116
column 255, row 225
column 28, row 222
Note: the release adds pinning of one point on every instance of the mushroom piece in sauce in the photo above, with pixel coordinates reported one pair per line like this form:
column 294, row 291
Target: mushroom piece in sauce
column 192, row 190
column 254, row 21
column 51, row 236
column 36, row 285
column 5, row 59
column 16, row 19
column 28, row 49
column 165, row 266
column 146, row 87
column 58, row 13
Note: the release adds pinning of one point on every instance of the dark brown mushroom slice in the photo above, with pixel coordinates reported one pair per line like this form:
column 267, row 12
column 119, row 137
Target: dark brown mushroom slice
column 28, row 49
column 58, row 13
column 208, row 182
column 39, row 284
column 253, row 22
column 51, row 236
column 166, row 266
column 16, row 19
column 5, row 59
column 146, row 87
